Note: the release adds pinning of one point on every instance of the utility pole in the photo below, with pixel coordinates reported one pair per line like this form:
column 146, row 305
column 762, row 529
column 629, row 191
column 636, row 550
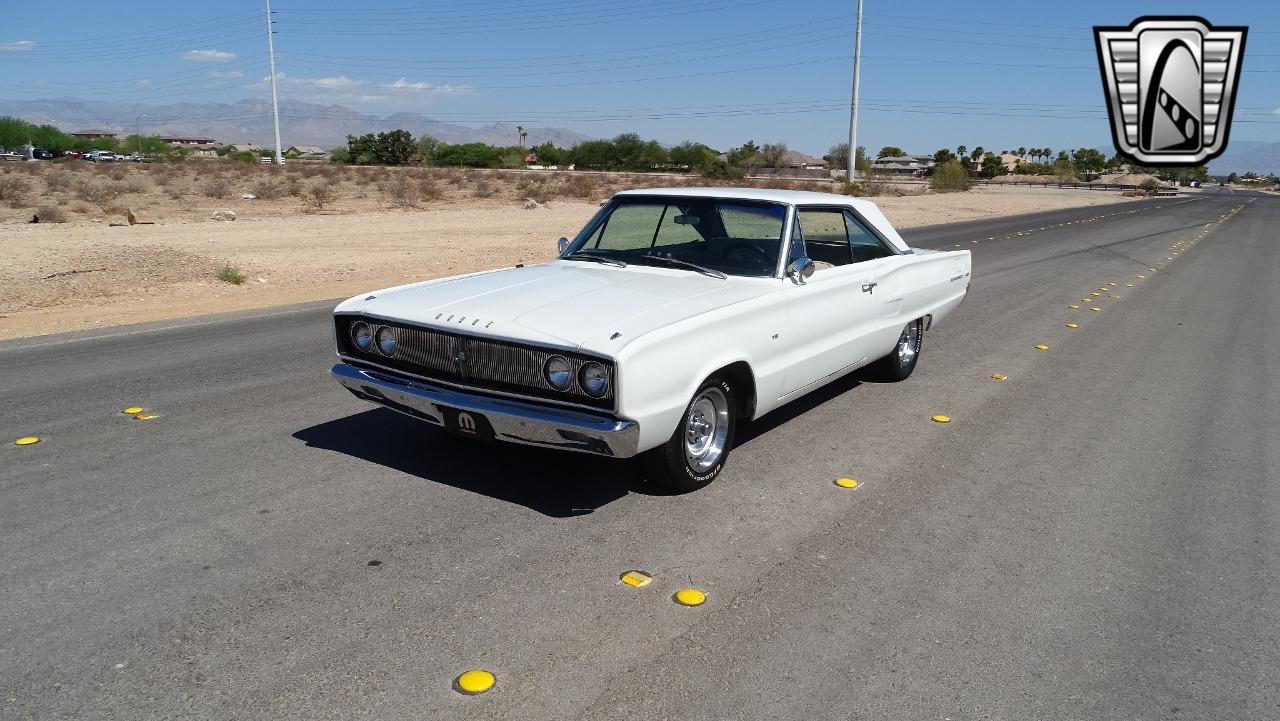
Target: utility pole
column 275, row 106
column 137, row 127
column 853, row 105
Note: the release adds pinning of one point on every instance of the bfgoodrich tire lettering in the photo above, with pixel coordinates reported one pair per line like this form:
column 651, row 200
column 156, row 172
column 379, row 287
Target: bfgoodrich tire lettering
column 699, row 448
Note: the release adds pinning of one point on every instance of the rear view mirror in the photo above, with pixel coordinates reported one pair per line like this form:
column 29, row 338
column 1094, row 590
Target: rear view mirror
column 562, row 245
column 684, row 219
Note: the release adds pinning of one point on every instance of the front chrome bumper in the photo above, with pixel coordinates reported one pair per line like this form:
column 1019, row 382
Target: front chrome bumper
column 513, row 421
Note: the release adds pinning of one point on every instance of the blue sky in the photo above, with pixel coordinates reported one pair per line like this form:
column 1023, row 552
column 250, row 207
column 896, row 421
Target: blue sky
column 935, row 74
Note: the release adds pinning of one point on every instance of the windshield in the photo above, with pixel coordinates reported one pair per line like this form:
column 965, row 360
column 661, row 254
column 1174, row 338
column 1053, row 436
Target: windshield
column 735, row 237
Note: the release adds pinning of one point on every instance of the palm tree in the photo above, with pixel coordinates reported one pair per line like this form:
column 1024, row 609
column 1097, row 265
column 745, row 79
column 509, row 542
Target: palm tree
column 1022, row 151
column 520, row 134
column 960, row 151
column 977, row 153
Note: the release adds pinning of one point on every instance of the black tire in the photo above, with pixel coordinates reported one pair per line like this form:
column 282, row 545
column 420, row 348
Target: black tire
column 898, row 365
column 669, row 464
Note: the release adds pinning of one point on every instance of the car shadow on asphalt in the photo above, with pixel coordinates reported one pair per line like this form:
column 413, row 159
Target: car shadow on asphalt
column 800, row 406
column 554, row 483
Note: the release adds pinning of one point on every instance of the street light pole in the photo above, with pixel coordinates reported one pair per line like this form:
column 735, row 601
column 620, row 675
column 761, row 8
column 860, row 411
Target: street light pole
column 853, row 105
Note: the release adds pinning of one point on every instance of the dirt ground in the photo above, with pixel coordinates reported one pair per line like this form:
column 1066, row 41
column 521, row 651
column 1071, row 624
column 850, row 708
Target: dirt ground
column 378, row 229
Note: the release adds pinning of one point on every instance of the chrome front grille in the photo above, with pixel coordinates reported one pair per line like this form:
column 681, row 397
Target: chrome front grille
column 475, row 361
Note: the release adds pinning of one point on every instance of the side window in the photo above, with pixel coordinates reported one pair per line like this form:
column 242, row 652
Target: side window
column 865, row 244
column 795, row 248
column 825, row 238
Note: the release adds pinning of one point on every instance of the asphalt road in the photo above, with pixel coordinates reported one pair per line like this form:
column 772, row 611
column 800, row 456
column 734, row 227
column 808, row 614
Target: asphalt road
column 1096, row 537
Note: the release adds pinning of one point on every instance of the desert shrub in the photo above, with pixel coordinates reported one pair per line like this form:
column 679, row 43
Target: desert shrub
column 535, row 189
column 51, row 214
column 137, row 184
column 268, row 189
column 15, row 189
column 228, row 273
column 57, row 180
column 318, row 197
column 401, row 192
column 216, row 187
column 949, row 177
column 97, row 190
column 430, row 190
column 483, row 189
column 293, row 188
column 173, row 193
column 1150, row 185
column 117, row 172
column 579, row 186
column 721, row 170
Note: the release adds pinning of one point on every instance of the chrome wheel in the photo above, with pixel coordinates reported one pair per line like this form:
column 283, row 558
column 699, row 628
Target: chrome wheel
column 706, row 429
column 909, row 344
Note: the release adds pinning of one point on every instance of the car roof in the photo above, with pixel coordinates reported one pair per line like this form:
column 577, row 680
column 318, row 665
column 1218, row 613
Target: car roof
column 793, row 197
column 865, row 208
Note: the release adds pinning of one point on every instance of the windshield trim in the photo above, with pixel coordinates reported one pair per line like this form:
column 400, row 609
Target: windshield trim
column 602, row 218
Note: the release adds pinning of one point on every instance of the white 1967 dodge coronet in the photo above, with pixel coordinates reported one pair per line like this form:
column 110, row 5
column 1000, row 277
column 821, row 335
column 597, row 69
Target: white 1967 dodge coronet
column 675, row 315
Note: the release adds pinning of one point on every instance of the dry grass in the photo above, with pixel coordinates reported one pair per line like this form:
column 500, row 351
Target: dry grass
column 51, row 214
column 15, row 189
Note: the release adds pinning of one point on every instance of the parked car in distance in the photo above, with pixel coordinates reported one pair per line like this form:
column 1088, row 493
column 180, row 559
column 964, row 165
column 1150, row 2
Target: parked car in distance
column 100, row 156
column 675, row 316
column 42, row 154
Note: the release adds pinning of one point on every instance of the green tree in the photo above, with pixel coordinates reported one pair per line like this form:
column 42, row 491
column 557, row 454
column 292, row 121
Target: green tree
column 339, row 155
column 943, row 156
column 772, row 153
column 949, row 176
column 1088, row 160
column 991, row 166
column 472, row 155
column 151, row 145
column 426, row 146
column 890, row 151
column 693, row 155
column 1232, row 178
column 549, row 154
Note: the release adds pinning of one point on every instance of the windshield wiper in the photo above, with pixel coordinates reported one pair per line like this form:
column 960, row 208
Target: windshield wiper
column 595, row 259
column 686, row 264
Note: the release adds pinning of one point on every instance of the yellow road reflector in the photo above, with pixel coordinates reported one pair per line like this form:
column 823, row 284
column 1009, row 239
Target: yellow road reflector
column 26, row 441
column 1041, row 346
column 474, row 681
column 1073, row 306
column 1115, row 297
column 1142, row 277
column 846, row 483
column 146, row 416
column 941, row 419
column 1128, row 285
column 690, row 597
column 133, row 410
column 639, row 579
column 1095, row 293
column 1151, row 270
column 998, row 376
column 1103, row 290
column 1096, row 310
column 1073, row 325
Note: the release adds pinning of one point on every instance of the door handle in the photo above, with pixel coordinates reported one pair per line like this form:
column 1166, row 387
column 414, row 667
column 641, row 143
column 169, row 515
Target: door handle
column 869, row 287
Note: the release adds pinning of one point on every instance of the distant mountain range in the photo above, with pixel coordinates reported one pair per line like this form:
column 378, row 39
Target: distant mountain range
column 249, row 121
column 1242, row 156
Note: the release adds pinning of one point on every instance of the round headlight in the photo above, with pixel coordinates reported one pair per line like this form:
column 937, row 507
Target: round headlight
column 559, row 373
column 361, row 335
column 594, row 379
column 386, row 340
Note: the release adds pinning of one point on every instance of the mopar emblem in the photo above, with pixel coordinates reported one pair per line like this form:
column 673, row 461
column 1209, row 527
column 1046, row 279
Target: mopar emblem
column 466, row 422
column 460, row 357
column 1170, row 84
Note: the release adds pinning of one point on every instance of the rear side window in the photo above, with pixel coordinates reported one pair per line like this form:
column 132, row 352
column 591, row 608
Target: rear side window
column 866, row 245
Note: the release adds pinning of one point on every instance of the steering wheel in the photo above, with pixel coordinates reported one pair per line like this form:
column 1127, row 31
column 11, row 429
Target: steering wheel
column 744, row 252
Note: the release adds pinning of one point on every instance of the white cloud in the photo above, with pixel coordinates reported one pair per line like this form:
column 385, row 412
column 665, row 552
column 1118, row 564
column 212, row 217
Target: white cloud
column 220, row 74
column 1276, row 111
column 404, row 84
column 144, row 82
column 209, row 56
column 342, row 89
column 17, row 46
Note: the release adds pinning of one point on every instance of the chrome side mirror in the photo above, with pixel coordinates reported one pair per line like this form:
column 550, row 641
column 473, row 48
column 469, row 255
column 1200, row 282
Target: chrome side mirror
column 563, row 245
column 800, row 269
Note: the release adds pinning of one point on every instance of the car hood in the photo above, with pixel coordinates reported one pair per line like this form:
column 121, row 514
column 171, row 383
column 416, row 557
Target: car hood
column 572, row 304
